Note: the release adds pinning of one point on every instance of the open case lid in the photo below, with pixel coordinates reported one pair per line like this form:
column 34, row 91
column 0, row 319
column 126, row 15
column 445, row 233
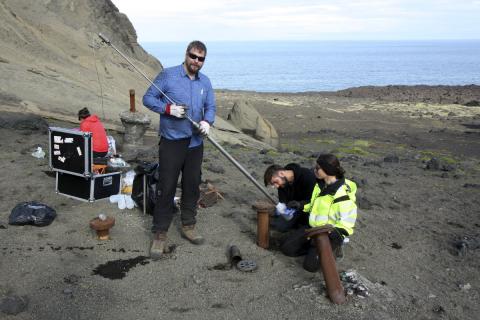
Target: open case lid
column 70, row 151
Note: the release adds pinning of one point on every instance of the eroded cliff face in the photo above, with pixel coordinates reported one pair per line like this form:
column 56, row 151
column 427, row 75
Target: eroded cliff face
column 52, row 61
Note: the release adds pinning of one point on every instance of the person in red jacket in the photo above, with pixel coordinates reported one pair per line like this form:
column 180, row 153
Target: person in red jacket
column 91, row 123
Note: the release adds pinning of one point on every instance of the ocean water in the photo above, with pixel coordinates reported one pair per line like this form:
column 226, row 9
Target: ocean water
column 300, row 66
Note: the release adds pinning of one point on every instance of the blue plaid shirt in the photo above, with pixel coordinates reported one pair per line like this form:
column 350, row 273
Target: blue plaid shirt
column 196, row 94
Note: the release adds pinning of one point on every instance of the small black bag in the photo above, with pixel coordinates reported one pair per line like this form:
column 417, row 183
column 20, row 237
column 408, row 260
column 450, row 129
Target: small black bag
column 149, row 170
column 32, row 212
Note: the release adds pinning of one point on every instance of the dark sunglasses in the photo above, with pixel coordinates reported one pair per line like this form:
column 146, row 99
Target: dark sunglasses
column 194, row 56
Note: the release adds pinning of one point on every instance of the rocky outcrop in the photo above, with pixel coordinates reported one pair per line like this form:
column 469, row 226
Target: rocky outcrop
column 466, row 95
column 246, row 118
column 265, row 132
column 51, row 58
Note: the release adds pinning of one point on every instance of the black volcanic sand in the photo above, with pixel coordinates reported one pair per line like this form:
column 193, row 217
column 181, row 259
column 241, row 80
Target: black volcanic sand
column 416, row 244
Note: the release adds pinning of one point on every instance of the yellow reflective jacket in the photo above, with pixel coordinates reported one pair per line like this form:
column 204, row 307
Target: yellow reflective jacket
column 334, row 205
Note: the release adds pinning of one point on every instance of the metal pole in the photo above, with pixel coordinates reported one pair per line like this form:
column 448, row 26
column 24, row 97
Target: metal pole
column 145, row 194
column 196, row 125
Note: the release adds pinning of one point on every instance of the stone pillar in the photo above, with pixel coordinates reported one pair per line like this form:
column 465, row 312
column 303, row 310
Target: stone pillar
column 135, row 124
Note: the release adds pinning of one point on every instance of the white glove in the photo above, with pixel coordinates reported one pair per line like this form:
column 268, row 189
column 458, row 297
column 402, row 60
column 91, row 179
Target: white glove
column 176, row 111
column 280, row 209
column 204, row 128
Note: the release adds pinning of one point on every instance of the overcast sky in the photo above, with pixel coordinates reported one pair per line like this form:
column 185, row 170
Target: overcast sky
column 233, row 20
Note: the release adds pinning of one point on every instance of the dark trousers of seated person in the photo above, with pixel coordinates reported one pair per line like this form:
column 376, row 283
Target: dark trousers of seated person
column 299, row 220
column 296, row 244
column 99, row 154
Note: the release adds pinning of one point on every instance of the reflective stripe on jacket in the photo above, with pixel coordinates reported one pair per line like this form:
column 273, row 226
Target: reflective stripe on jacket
column 335, row 206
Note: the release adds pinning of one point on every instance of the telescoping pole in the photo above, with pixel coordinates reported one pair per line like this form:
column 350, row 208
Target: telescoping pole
column 196, row 125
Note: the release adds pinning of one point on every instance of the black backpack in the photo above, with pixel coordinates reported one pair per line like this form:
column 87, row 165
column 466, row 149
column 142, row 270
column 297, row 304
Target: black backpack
column 148, row 170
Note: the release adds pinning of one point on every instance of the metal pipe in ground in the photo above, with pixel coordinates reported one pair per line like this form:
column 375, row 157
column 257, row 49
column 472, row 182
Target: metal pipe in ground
column 327, row 262
column 264, row 209
column 132, row 100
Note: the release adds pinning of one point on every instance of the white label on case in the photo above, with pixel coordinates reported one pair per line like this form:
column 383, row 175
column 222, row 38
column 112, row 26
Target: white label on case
column 57, row 139
column 79, row 151
column 56, row 147
column 68, row 140
column 107, row 181
column 57, row 153
column 62, row 159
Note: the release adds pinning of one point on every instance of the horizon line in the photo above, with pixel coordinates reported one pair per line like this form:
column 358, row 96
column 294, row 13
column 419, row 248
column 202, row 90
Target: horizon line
column 312, row 40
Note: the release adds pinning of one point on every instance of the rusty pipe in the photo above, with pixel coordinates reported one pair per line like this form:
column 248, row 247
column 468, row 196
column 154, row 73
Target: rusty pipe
column 264, row 209
column 132, row 100
column 327, row 262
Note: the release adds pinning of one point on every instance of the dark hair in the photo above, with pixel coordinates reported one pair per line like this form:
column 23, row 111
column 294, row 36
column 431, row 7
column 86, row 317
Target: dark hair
column 330, row 164
column 83, row 113
column 200, row 46
column 271, row 170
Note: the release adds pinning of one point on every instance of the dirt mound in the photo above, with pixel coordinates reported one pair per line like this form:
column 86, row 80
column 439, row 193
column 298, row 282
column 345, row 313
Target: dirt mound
column 19, row 121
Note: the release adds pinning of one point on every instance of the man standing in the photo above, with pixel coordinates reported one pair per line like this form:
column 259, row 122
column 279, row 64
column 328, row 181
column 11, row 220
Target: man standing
column 295, row 186
column 190, row 94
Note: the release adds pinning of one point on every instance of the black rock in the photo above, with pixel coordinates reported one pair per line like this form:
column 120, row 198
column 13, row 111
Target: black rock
column 472, row 103
column 372, row 163
column 361, row 182
column 13, row 305
column 215, row 169
column 364, row 203
column 391, row 159
column 472, row 185
column 433, row 164
column 448, row 167
column 268, row 160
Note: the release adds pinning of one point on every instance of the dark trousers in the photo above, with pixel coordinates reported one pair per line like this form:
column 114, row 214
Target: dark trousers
column 174, row 156
column 299, row 219
column 296, row 244
column 99, row 154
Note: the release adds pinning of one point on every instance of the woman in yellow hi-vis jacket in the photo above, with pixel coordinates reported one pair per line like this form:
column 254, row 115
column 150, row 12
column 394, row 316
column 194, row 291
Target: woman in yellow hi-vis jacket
column 333, row 203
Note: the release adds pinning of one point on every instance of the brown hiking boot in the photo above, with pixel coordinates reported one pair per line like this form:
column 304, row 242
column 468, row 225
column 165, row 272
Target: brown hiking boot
column 159, row 244
column 188, row 232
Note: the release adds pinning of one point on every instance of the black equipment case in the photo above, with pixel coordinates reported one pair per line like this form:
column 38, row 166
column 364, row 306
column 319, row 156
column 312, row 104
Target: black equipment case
column 70, row 151
column 71, row 156
column 92, row 188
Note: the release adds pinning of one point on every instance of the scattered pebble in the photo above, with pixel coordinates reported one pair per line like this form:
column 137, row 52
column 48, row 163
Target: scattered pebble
column 13, row 305
column 465, row 287
column 395, row 245
column 438, row 309
column 353, row 285
column 67, row 291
